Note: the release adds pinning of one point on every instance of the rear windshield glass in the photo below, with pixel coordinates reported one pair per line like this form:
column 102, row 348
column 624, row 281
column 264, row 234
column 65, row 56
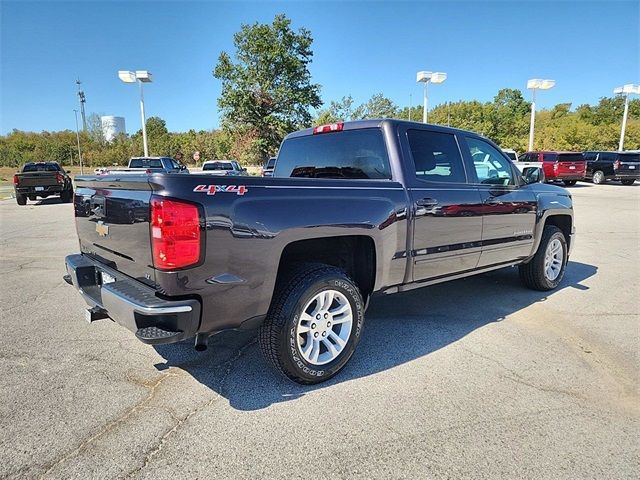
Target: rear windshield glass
column 271, row 163
column 145, row 163
column 41, row 167
column 570, row 157
column 511, row 155
column 218, row 166
column 348, row 154
column 629, row 157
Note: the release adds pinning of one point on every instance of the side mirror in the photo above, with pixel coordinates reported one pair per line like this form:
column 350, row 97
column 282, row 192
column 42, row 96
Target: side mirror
column 533, row 175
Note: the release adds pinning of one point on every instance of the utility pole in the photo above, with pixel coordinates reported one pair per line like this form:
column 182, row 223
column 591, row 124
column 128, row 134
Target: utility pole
column 78, row 139
column 82, row 99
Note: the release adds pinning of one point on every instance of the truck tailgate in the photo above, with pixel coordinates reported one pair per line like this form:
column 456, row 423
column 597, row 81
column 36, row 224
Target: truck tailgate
column 112, row 219
column 37, row 179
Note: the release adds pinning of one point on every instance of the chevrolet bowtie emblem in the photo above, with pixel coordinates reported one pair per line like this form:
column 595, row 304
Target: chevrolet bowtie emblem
column 102, row 229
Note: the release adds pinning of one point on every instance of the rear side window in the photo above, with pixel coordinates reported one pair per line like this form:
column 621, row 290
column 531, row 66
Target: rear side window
column 356, row 154
column 629, row 157
column 549, row 157
column 570, row 157
column 436, row 156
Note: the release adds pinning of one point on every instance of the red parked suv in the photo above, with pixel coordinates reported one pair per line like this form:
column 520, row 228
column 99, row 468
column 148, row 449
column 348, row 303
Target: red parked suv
column 568, row 167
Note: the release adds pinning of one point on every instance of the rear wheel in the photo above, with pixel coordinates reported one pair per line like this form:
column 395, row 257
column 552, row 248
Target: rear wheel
column 314, row 324
column 570, row 183
column 546, row 269
column 628, row 181
column 21, row 199
column 598, row 177
column 66, row 196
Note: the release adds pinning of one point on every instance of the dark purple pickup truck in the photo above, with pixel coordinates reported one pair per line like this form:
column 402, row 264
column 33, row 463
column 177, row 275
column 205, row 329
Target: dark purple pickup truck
column 353, row 209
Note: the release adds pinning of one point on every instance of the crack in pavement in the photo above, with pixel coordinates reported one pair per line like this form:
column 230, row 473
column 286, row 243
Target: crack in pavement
column 111, row 425
column 163, row 440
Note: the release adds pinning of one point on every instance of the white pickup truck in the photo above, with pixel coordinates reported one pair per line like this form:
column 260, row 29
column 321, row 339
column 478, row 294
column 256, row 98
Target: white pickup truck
column 147, row 165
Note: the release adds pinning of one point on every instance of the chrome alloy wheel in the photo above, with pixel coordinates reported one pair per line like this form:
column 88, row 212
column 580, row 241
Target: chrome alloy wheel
column 553, row 259
column 324, row 327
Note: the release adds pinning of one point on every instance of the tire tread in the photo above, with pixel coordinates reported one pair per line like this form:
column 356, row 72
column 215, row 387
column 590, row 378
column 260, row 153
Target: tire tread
column 301, row 276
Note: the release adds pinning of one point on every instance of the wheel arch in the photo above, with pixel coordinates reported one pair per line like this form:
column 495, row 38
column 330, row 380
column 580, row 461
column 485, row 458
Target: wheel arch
column 355, row 254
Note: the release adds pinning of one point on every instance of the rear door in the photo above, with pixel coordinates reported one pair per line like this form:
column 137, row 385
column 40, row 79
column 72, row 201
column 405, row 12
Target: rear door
column 447, row 226
column 508, row 206
column 628, row 165
column 571, row 165
column 112, row 220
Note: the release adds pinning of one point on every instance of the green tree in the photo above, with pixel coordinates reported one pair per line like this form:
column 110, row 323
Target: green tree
column 267, row 90
column 340, row 111
column 378, row 106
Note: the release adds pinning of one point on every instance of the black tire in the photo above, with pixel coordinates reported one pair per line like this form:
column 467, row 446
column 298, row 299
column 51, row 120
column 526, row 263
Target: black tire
column 569, row 183
column 66, row 196
column 278, row 337
column 628, row 181
column 21, row 199
column 599, row 177
column 532, row 274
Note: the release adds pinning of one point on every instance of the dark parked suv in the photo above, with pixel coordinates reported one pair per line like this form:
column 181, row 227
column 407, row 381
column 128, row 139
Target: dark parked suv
column 603, row 166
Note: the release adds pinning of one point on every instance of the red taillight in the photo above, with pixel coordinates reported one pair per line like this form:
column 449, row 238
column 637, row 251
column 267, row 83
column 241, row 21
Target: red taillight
column 175, row 234
column 331, row 127
column 555, row 167
column 15, row 179
column 59, row 178
column 616, row 165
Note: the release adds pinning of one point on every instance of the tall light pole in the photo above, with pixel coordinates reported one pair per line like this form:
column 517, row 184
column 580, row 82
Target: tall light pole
column 536, row 84
column 82, row 99
column 78, row 140
column 625, row 90
column 425, row 78
column 139, row 76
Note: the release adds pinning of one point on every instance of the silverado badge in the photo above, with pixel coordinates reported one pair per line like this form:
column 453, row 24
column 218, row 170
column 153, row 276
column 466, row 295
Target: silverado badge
column 102, row 229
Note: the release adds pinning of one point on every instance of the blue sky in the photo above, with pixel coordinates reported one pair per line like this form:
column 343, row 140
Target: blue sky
column 360, row 48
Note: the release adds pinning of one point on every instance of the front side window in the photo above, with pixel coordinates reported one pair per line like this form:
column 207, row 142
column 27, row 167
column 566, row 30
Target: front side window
column 436, row 156
column 491, row 166
column 353, row 154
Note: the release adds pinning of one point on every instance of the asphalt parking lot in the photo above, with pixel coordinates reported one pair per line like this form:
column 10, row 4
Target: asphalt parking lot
column 476, row 378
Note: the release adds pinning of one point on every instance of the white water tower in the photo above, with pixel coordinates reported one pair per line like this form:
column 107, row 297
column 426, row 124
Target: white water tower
column 112, row 126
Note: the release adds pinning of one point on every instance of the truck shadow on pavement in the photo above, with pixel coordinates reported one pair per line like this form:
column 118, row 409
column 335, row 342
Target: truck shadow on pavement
column 398, row 329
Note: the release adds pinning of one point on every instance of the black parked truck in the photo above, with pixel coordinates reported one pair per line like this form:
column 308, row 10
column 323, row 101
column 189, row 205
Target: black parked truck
column 353, row 209
column 42, row 180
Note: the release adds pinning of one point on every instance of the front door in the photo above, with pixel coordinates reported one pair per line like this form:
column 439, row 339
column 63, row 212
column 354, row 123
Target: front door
column 509, row 207
column 447, row 226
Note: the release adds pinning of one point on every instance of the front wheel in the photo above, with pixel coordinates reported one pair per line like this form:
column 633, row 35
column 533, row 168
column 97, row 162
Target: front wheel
column 314, row 324
column 628, row 181
column 569, row 183
column 546, row 269
column 598, row 177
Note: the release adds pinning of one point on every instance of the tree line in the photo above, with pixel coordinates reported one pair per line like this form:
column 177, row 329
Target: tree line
column 267, row 92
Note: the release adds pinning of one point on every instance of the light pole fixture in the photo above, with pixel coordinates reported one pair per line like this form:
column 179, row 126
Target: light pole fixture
column 536, row 84
column 78, row 140
column 426, row 78
column 625, row 90
column 139, row 76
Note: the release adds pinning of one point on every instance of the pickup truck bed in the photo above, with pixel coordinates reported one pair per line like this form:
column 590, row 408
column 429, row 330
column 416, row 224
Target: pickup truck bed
column 173, row 256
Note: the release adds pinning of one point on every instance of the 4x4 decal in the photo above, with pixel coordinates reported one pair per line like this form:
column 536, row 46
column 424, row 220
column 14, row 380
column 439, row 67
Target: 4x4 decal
column 212, row 189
